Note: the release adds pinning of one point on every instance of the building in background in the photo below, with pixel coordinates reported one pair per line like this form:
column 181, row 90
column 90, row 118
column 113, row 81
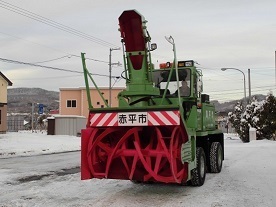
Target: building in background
column 73, row 109
column 4, row 83
column 73, row 101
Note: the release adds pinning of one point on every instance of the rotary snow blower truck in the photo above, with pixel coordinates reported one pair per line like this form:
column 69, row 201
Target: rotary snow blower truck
column 158, row 132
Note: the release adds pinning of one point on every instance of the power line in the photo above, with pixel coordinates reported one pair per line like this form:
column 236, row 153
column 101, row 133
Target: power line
column 218, row 95
column 101, row 61
column 43, row 78
column 20, row 38
column 225, row 95
column 46, row 61
column 258, row 68
column 67, row 55
column 49, row 22
column 49, row 67
column 264, row 87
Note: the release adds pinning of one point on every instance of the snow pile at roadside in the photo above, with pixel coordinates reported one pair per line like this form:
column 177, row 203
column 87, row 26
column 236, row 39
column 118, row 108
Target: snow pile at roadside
column 27, row 143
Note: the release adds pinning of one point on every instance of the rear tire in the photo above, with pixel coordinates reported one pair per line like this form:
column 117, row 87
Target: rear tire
column 199, row 173
column 216, row 157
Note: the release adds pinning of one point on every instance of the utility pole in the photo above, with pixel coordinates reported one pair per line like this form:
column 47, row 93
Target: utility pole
column 32, row 117
column 110, row 66
column 249, row 86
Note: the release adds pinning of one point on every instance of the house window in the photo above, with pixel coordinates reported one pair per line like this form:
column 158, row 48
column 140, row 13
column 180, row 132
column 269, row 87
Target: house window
column 71, row 103
column 98, row 103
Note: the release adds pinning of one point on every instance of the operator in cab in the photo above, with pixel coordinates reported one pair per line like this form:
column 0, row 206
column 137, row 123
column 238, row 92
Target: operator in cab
column 184, row 89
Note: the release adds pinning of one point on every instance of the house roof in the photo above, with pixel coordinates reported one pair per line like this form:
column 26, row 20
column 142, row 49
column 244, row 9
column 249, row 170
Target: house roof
column 8, row 81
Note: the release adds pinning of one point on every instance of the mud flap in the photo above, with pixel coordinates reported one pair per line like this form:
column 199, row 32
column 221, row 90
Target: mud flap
column 186, row 153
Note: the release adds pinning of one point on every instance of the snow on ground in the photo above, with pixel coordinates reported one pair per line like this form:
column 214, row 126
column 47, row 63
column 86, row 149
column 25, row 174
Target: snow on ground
column 26, row 143
column 247, row 179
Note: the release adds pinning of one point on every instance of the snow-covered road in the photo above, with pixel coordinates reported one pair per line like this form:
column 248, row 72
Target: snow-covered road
column 247, row 179
column 20, row 168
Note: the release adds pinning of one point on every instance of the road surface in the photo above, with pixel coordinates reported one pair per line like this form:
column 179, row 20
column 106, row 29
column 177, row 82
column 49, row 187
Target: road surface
column 247, row 179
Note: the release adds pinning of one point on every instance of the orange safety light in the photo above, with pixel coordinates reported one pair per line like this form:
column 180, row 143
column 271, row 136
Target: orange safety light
column 165, row 65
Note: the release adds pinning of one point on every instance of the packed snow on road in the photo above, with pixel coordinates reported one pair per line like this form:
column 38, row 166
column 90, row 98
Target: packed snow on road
column 41, row 170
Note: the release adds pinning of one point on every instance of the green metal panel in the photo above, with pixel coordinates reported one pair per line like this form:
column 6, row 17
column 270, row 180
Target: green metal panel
column 192, row 118
column 199, row 119
column 208, row 117
column 186, row 152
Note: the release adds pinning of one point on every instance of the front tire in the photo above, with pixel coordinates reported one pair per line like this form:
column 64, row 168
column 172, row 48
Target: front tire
column 199, row 173
column 216, row 157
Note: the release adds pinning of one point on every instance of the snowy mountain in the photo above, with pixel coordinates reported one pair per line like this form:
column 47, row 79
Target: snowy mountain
column 20, row 99
column 229, row 106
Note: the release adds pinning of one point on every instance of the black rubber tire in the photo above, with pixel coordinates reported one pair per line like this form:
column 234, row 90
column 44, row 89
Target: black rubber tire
column 199, row 173
column 216, row 157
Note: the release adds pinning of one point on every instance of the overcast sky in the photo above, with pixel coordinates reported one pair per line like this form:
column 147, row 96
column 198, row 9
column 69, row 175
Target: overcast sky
column 238, row 34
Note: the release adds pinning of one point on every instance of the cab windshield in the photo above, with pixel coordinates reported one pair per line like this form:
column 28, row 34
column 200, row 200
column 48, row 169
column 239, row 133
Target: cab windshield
column 162, row 76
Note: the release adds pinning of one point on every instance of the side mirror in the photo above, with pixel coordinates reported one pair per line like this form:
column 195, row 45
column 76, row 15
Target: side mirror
column 153, row 46
column 199, row 85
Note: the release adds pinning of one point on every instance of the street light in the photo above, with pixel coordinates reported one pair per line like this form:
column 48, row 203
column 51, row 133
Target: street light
column 244, row 87
column 110, row 65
